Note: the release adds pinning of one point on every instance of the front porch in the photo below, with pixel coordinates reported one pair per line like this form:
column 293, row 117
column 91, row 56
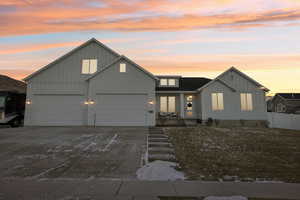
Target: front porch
column 177, row 108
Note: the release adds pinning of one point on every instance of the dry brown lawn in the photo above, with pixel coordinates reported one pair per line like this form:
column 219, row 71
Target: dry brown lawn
column 210, row 153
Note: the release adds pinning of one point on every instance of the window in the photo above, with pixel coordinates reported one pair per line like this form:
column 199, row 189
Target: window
column 122, row 67
column 280, row 108
column 167, row 82
column 217, row 101
column 89, row 66
column 246, row 102
column 163, row 81
column 171, row 82
column 167, row 104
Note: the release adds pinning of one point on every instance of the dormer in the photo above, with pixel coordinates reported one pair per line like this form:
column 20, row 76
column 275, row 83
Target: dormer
column 168, row 81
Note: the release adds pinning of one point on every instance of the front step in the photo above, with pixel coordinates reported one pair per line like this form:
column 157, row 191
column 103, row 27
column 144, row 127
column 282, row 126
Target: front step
column 159, row 144
column 157, row 136
column 158, row 140
column 156, row 132
column 163, row 157
column 161, row 150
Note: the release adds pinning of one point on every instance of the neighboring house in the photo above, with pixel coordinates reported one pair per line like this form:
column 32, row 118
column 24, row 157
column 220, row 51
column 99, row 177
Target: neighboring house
column 286, row 103
column 12, row 101
column 12, row 85
column 95, row 86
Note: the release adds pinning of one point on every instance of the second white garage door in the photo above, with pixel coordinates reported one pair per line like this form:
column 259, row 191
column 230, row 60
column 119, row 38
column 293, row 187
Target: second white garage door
column 121, row 110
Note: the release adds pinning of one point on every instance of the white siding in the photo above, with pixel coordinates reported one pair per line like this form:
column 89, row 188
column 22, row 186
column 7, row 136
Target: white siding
column 113, row 82
column 232, row 100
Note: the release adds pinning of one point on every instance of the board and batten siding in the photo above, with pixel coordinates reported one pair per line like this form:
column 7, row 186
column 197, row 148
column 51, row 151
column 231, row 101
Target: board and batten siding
column 232, row 102
column 64, row 77
column 133, row 82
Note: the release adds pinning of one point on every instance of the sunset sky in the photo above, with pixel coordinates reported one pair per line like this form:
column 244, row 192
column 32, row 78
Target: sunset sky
column 182, row 37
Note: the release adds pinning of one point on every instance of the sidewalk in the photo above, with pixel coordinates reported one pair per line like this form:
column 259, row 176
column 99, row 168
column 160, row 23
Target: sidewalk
column 79, row 189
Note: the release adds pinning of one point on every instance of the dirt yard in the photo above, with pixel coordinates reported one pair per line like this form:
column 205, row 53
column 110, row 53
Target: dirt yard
column 243, row 154
column 71, row 152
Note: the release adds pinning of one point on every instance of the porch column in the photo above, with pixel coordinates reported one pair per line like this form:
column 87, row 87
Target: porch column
column 181, row 105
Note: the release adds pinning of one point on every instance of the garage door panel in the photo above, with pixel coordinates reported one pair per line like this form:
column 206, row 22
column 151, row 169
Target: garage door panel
column 58, row 110
column 121, row 110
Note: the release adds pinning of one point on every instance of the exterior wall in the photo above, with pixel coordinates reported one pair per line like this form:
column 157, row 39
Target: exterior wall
column 232, row 103
column 199, row 105
column 64, row 77
column 133, row 81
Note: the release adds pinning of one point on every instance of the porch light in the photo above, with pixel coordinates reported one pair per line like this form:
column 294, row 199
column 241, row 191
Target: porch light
column 151, row 102
column 28, row 102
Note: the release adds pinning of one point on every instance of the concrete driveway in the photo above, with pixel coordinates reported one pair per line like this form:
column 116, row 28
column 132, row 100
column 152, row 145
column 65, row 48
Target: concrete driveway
column 71, row 152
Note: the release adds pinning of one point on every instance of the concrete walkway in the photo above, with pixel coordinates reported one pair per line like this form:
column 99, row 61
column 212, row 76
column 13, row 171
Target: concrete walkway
column 79, row 189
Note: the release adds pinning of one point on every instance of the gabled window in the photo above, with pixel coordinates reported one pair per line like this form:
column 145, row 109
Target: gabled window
column 163, row 81
column 89, row 66
column 246, row 102
column 122, row 67
column 167, row 82
column 171, row 82
column 217, row 101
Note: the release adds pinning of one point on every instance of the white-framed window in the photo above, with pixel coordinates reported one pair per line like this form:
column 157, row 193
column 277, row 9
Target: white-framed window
column 167, row 104
column 122, row 67
column 217, row 101
column 171, row 82
column 246, row 102
column 89, row 66
column 280, row 108
column 163, row 81
column 167, row 82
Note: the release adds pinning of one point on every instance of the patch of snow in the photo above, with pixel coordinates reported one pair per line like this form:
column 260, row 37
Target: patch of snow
column 226, row 198
column 112, row 140
column 160, row 171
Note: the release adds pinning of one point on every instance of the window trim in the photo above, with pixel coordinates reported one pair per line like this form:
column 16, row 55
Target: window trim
column 247, row 99
column 123, row 68
column 217, row 101
column 88, row 62
column 167, row 98
column 163, row 79
column 171, row 79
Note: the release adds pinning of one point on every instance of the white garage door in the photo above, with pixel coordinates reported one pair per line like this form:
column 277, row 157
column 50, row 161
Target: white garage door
column 57, row 110
column 121, row 110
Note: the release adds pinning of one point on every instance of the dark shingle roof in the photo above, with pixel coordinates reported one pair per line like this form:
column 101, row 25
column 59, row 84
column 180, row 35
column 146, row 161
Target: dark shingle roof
column 186, row 84
column 12, row 85
column 290, row 96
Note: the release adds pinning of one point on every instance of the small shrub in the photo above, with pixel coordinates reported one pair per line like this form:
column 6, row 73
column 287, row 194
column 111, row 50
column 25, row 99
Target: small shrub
column 209, row 122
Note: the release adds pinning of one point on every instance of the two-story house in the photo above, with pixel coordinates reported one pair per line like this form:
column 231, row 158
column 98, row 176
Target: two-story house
column 95, row 86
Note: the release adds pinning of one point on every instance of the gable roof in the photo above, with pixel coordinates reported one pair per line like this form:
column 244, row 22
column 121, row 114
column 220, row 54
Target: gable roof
column 122, row 57
column 289, row 96
column 68, row 54
column 12, row 85
column 220, row 81
column 246, row 77
column 186, row 84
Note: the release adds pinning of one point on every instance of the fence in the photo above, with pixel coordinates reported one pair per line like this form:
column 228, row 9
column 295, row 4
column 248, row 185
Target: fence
column 282, row 120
